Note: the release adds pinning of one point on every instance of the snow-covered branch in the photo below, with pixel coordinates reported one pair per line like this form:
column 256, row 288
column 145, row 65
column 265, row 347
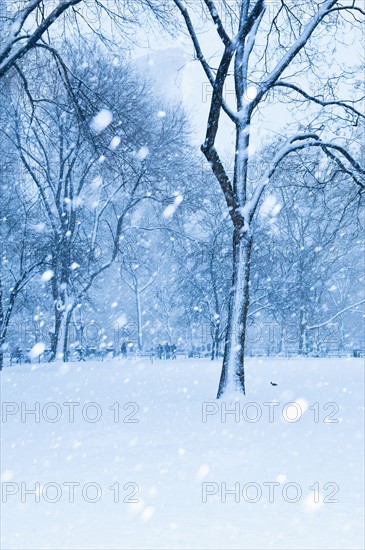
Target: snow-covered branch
column 200, row 56
column 290, row 145
column 12, row 51
column 348, row 308
column 292, row 52
column 218, row 23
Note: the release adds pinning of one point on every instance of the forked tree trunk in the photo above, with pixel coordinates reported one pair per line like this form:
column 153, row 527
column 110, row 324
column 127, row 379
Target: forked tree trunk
column 242, row 48
column 233, row 369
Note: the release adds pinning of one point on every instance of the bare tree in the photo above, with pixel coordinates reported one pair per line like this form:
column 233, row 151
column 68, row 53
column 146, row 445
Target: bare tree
column 28, row 25
column 91, row 184
column 306, row 253
column 21, row 255
column 204, row 262
column 139, row 269
column 264, row 54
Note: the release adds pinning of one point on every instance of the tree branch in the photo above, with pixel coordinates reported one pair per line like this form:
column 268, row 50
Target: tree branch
column 312, row 327
column 218, row 23
column 292, row 52
column 9, row 60
column 343, row 104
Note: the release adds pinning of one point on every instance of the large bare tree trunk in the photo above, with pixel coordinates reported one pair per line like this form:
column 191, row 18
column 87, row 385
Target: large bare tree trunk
column 233, row 369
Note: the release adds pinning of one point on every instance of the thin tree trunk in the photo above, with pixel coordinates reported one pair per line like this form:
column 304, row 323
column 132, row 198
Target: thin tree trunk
column 215, row 344
column 139, row 319
column 56, row 346
column 282, row 342
column 233, row 370
column 302, row 333
column 66, row 334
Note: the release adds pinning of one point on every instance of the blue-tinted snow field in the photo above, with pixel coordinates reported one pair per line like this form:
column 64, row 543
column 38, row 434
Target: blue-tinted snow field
column 132, row 454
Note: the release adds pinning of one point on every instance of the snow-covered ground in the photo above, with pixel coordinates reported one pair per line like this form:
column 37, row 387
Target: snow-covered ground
column 173, row 460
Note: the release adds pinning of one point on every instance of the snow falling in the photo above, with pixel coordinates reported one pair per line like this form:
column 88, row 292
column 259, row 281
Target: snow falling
column 182, row 295
column 101, row 121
